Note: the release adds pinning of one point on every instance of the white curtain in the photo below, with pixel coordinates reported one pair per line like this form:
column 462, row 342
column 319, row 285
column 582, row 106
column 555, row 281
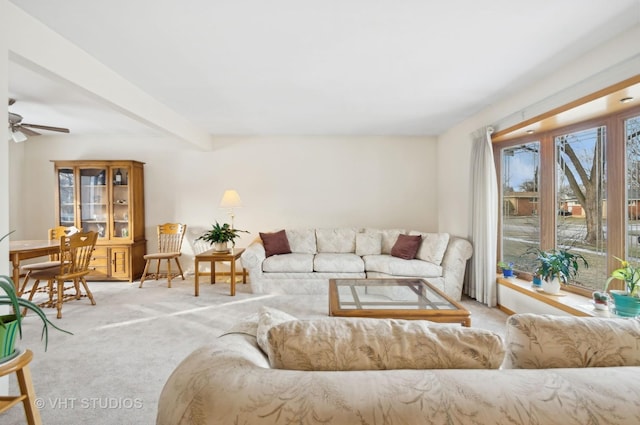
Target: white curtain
column 481, row 283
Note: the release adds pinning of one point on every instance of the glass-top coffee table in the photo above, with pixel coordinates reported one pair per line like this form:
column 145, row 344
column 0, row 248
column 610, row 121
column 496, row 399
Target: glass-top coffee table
column 394, row 299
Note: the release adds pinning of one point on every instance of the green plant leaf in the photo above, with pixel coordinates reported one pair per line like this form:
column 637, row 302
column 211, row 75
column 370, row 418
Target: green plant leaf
column 11, row 298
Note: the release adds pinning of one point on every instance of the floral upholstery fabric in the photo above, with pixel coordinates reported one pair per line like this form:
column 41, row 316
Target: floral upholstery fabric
column 545, row 341
column 369, row 243
column 277, row 274
column 349, row 263
column 398, row 267
column 287, row 263
column 388, row 237
column 302, row 241
column 230, row 382
column 340, row 240
column 338, row 343
column 267, row 318
column 433, row 246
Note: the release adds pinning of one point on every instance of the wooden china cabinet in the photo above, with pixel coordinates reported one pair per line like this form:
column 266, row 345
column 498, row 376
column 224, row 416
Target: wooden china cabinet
column 106, row 197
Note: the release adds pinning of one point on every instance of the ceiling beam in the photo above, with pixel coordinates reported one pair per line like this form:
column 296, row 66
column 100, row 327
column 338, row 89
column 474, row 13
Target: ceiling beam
column 37, row 47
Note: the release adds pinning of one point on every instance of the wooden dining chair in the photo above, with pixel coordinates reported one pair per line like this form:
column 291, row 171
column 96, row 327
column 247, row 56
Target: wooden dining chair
column 170, row 236
column 55, row 233
column 75, row 255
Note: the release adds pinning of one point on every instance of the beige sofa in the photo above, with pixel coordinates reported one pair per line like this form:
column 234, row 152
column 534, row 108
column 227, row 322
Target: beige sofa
column 580, row 371
column 318, row 255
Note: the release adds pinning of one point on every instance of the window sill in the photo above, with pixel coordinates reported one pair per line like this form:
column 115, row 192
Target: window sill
column 519, row 296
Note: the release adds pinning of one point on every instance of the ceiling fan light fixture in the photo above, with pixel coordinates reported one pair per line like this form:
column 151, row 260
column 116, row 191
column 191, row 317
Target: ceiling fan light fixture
column 18, row 136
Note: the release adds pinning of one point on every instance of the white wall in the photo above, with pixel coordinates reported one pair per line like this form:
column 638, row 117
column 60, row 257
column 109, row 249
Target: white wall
column 4, row 161
column 612, row 62
column 283, row 181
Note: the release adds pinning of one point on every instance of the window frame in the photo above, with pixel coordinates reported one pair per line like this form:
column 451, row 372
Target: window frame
column 616, row 209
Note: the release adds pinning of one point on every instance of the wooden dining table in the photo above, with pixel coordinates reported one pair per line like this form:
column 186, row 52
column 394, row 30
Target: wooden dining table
column 24, row 250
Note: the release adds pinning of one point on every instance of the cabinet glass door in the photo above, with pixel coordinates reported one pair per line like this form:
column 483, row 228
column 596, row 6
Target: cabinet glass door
column 94, row 201
column 120, row 202
column 66, row 197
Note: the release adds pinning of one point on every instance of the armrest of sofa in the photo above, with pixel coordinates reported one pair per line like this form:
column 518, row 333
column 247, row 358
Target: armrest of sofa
column 253, row 256
column 454, row 265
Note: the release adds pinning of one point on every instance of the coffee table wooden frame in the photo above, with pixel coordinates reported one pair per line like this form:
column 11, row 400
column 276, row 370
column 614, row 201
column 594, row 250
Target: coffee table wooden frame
column 454, row 315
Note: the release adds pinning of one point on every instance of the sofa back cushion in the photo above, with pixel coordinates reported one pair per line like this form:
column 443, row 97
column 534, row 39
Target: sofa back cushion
column 377, row 344
column 342, row 240
column 302, row 241
column 433, row 246
column 537, row 341
column 369, row 243
column 388, row 237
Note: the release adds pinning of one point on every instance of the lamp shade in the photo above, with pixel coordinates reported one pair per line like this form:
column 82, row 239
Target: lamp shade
column 230, row 199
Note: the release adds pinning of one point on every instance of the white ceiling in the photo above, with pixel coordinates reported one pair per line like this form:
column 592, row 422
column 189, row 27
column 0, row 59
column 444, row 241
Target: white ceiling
column 316, row 67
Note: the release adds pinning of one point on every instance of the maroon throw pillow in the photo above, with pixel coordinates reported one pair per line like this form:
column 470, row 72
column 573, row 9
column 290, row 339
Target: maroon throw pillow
column 275, row 243
column 406, row 246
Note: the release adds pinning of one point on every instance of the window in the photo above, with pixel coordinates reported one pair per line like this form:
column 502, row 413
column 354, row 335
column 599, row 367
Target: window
column 632, row 138
column 580, row 200
column 574, row 188
column 521, row 222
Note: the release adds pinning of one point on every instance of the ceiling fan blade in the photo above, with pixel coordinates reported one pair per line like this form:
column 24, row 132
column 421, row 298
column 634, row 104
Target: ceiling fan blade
column 46, row 127
column 25, row 130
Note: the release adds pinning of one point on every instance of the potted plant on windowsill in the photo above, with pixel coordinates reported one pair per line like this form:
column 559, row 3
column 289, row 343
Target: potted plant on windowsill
column 507, row 269
column 220, row 235
column 557, row 267
column 627, row 301
column 11, row 324
column 601, row 300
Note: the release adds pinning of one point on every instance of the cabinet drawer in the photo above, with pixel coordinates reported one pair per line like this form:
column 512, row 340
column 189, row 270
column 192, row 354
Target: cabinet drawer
column 99, row 262
column 98, row 272
column 99, row 258
column 100, row 252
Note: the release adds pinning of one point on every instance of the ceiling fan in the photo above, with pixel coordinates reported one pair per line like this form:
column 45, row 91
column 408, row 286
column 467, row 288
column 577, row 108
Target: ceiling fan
column 18, row 130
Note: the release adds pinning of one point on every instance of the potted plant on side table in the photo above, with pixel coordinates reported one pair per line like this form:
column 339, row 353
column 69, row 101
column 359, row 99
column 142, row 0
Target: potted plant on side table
column 557, row 267
column 220, row 235
column 627, row 301
column 11, row 324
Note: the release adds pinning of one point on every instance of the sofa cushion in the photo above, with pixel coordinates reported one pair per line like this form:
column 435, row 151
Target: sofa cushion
column 369, row 243
column 275, row 243
column 375, row 344
column 267, row 318
column 399, row 267
column 302, row 240
column 406, row 247
column 336, row 240
column 286, row 263
column 346, row 263
column 433, row 246
column 537, row 341
column 388, row 236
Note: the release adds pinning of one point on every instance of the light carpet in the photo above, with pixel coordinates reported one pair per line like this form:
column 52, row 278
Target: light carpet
column 112, row 369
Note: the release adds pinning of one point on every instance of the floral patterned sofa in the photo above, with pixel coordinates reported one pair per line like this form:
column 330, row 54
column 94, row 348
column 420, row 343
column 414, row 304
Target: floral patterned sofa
column 317, row 255
column 556, row 370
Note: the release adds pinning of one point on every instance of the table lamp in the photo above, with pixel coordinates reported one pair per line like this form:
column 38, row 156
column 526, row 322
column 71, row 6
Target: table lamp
column 230, row 200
